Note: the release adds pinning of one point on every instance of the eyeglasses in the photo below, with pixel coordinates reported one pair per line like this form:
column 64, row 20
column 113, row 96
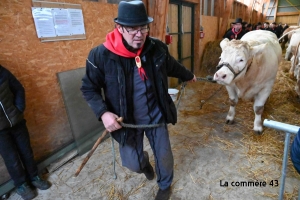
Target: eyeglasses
column 133, row 31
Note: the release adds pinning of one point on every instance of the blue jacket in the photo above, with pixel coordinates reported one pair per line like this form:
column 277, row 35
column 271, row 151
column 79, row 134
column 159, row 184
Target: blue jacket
column 295, row 152
column 12, row 99
column 114, row 74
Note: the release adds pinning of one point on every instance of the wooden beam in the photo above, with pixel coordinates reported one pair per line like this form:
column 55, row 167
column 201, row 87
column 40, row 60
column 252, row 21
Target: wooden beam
column 250, row 8
column 219, row 4
column 159, row 11
column 287, row 13
column 225, row 17
column 275, row 12
column 266, row 10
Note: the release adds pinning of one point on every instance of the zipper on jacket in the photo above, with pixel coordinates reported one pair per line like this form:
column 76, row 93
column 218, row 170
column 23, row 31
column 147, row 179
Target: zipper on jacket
column 5, row 114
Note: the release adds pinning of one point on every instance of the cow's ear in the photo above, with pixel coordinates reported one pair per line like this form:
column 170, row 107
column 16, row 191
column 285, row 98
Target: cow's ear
column 224, row 42
column 258, row 49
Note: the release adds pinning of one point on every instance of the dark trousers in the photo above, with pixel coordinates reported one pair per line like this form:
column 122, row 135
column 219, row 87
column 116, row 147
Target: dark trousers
column 295, row 152
column 17, row 154
column 133, row 158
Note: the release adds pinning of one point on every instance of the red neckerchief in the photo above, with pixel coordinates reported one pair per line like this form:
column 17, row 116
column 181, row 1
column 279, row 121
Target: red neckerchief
column 115, row 44
column 236, row 33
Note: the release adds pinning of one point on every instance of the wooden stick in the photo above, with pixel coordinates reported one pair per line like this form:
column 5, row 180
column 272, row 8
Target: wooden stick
column 94, row 148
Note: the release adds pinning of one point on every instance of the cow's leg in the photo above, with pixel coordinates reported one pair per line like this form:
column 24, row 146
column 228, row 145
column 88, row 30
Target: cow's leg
column 258, row 108
column 233, row 100
column 292, row 69
column 287, row 53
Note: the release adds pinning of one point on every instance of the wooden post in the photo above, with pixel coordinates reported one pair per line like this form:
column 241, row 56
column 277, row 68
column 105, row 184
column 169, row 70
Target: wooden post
column 225, row 17
column 275, row 12
column 158, row 27
column 266, row 11
column 250, row 8
column 219, row 12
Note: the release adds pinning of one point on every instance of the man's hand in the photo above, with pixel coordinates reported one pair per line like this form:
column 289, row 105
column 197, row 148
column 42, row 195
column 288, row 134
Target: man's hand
column 110, row 121
column 194, row 79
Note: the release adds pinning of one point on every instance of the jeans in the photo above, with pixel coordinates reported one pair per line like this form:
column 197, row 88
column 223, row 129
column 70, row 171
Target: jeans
column 17, row 154
column 295, row 152
column 133, row 158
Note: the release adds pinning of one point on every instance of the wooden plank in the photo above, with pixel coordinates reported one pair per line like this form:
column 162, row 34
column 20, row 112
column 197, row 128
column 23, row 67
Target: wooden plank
column 58, row 38
column 219, row 8
column 192, row 1
column 265, row 11
column 275, row 13
column 287, row 13
column 197, row 38
column 250, row 9
column 46, row 4
column 225, row 17
column 158, row 28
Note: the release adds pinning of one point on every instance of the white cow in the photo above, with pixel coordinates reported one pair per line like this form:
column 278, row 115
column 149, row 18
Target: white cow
column 248, row 69
column 295, row 61
column 295, row 39
column 292, row 49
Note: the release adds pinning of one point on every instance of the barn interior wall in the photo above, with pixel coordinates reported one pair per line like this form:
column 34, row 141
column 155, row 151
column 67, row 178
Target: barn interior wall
column 36, row 65
column 210, row 27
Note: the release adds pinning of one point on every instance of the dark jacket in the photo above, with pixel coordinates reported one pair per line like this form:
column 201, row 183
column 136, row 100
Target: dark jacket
column 295, row 152
column 230, row 35
column 12, row 99
column 114, row 74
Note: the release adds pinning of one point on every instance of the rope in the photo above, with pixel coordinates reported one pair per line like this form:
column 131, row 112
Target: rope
column 141, row 125
column 114, row 155
column 208, row 79
column 128, row 126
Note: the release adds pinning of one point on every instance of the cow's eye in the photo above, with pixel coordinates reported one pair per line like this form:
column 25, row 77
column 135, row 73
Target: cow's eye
column 241, row 60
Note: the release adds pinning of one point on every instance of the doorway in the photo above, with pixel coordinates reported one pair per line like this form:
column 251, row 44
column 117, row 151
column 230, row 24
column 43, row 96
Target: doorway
column 180, row 24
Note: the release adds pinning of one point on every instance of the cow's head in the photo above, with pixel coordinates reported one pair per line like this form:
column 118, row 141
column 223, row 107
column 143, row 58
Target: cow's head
column 235, row 59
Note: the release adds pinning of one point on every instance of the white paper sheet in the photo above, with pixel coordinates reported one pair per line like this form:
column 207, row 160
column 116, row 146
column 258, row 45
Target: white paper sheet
column 43, row 21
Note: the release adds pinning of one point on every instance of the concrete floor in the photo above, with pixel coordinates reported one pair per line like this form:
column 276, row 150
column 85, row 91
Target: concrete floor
column 207, row 154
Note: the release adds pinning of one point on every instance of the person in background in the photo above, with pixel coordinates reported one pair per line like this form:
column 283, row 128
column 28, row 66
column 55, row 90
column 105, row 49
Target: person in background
column 236, row 32
column 273, row 28
column 279, row 29
column 266, row 26
column 258, row 26
column 248, row 28
column 295, row 152
column 285, row 26
column 15, row 147
column 132, row 68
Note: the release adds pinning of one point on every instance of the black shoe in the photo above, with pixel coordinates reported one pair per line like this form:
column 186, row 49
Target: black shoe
column 40, row 183
column 163, row 194
column 26, row 192
column 148, row 169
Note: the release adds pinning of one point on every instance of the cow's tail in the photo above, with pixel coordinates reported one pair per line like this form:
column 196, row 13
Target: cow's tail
column 288, row 33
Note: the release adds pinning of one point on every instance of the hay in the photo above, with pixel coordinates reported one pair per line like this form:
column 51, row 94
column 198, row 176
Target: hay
column 211, row 56
column 210, row 100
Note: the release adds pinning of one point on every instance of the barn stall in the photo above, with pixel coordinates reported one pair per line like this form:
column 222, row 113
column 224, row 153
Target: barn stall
column 201, row 140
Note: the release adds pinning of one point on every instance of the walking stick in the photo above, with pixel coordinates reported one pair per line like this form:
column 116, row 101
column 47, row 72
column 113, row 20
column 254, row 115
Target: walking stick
column 94, row 148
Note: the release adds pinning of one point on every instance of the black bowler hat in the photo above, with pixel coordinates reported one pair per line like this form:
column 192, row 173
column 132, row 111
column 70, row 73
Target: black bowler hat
column 238, row 21
column 132, row 13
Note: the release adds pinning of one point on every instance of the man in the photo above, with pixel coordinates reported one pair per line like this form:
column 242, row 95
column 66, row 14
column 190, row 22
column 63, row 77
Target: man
column 15, row 147
column 237, row 31
column 132, row 69
column 273, row 28
column 248, row 28
column 295, row 152
column 266, row 26
column 258, row 26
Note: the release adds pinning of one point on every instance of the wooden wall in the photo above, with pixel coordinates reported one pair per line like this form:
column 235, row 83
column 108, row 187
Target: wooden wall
column 36, row 64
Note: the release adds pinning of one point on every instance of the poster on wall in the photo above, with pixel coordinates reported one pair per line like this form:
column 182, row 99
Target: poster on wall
column 56, row 22
column 62, row 22
column 43, row 21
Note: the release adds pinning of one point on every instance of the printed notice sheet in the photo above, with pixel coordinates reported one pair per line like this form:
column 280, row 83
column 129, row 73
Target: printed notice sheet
column 43, row 20
column 77, row 25
column 53, row 22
